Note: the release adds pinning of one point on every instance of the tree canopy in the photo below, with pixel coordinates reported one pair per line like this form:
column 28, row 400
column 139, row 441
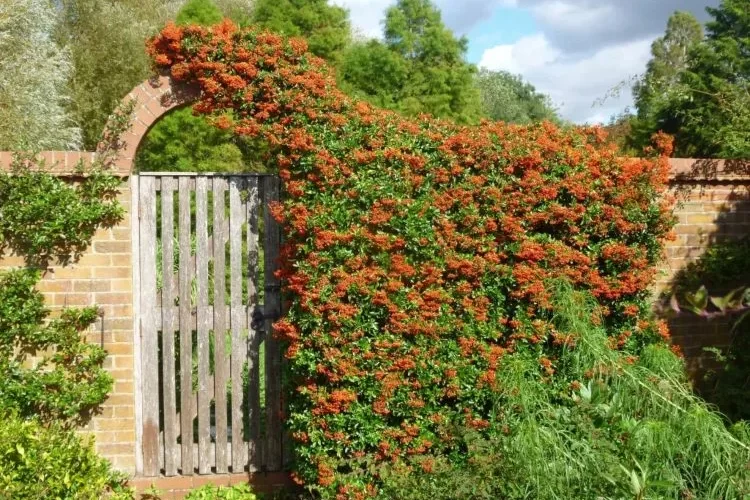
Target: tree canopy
column 325, row 27
column 420, row 67
column 506, row 97
column 699, row 89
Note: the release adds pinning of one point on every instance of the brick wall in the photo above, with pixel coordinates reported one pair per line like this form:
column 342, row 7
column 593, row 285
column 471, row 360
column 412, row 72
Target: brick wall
column 104, row 277
column 713, row 206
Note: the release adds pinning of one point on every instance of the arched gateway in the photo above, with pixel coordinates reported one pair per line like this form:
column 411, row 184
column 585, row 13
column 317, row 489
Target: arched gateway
column 207, row 376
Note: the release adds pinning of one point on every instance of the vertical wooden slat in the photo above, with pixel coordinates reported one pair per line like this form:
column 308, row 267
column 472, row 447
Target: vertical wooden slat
column 137, row 372
column 149, row 343
column 239, row 345
column 221, row 361
column 253, row 340
column 186, row 347
column 273, row 309
column 201, row 258
column 168, row 326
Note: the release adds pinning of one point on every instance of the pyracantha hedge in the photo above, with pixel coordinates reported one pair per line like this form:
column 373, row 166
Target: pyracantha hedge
column 418, row 251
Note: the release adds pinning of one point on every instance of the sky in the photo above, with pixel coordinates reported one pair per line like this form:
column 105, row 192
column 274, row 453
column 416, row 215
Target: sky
column 575, row 51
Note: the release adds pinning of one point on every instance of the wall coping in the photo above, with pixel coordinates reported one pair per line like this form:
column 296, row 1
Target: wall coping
column 682, row 171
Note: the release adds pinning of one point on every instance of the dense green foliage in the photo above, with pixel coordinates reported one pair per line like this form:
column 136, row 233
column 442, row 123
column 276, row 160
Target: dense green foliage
column 605, row 426
column 325, row 27
column 61, row 384
column 508, row 98
column 202, row 12
column 240, row 491
column 418, row 254
column 48, row 461
column 51, row 378
column 420, row 66
column 33, row 80
column 697, row 89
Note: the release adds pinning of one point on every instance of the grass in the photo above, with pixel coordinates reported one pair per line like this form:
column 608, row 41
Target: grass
column 624, row 429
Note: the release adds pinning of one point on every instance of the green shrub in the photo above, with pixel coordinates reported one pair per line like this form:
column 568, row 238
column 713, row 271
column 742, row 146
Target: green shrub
column 47, row 369
column 38, row 462
column 240, row 491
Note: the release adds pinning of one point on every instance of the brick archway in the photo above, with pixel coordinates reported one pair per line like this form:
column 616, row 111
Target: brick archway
column 153, row 99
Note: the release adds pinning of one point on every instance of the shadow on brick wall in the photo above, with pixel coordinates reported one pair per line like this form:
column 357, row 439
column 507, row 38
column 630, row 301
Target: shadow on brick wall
column 713, row 249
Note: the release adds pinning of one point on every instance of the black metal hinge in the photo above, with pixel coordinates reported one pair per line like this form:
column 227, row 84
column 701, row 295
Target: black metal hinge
column 260, row 315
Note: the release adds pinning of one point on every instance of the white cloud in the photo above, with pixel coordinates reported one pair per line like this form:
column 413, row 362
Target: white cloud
column 366, row 15
column 578, row 25
column 526, row 54
column 459, row 15
column 573, row 83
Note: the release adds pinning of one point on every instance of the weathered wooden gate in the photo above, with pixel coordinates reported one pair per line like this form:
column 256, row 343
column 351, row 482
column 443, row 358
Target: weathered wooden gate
column 208, row 395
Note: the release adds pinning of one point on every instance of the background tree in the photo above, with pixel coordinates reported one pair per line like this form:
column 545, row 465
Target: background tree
column 506, row 97
column 661, row 84
column 419, row 68
column 708, row 108
column 203, row 12
column 326, row 27
column 106, row 41
column 712, row 117
column 109, row 56
column 33, row 75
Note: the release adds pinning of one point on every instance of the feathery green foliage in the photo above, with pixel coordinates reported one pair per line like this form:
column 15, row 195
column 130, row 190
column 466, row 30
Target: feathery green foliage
column 506, row 97
column 33, row 77
column 605, row 426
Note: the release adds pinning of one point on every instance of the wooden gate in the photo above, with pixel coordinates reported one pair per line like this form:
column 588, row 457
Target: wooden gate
column 208, row 381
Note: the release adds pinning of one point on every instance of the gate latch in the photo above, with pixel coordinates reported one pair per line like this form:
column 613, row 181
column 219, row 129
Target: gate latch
column 260, row 315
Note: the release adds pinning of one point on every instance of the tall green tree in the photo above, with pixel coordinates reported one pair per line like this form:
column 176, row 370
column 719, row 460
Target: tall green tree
column 420, row 67
column 34, row 73
column 506, row 97
column 708, row 111
column 669, row 59
column 712, row 120
column 326, row 27
column 106, row 41
column 661, row 85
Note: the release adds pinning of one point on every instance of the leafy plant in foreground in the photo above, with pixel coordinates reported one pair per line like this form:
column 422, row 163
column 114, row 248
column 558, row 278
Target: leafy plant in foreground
column 38, row 461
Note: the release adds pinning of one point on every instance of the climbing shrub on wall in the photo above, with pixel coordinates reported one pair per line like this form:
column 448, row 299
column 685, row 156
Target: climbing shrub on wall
column 418, row 252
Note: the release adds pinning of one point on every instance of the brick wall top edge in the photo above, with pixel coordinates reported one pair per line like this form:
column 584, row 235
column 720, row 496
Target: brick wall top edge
column 687, row 170
column 62, row 163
